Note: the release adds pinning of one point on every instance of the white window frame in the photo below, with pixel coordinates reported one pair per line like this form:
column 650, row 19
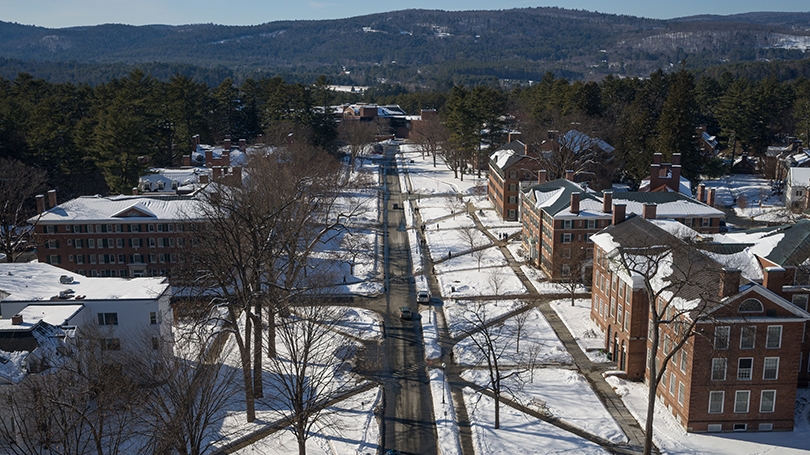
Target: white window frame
column 721, row 401
column 737, row 395
column 769, row 342
column 775, row 369
column 752, row 329
column 740, row 370
column 718, row 336
column 762, row 400
column 681, row 393
column 716, row 363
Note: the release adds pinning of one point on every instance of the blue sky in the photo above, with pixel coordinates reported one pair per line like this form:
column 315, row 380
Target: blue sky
column 66, row 13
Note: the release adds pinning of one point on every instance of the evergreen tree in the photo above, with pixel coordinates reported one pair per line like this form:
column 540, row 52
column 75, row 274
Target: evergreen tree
column 677, row 123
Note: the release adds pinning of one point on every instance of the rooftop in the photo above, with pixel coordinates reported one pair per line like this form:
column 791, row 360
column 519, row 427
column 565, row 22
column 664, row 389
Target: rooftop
column 37, row 282
column 120, row 209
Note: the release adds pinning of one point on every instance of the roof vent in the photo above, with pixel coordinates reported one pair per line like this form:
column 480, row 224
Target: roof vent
column 65, row 279
column 17, row 319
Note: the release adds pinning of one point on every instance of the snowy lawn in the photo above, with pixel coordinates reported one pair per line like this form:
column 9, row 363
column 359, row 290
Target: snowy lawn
column 498, row 281
column 453, row 240
column 430, row 335
column 490, row 257
column 358, row 322
column 543, row 286
column 753, row 188
column 519, row 433
column 457, row 313
column 349, row 428
column 538, row 343
column 587, row 334
column 441, row 218
column 518, row 252
column 426, row 179
column 566, row 395
column 445, row 414
column 672, row 439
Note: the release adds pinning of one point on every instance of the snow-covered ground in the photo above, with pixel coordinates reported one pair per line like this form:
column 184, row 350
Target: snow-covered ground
column 543, row 286
column 564, row 394
column 672, row 439
column 430, row 335
column 751, row 196
column 359, row 323
column 496, row 281
column 523, row 339
column 577, row 320
column 427, row 180
column 461, row 315
column 445, row 414
column 519, row 433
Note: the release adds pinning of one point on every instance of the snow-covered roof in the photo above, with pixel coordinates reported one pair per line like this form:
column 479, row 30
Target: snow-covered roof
column 55, row 315
column 685, row 186
column 118, row 209
column 577, row 141
column 187, row 178
column 38, row 282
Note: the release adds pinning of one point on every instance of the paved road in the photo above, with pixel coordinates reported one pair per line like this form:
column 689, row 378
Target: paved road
column 409, row 424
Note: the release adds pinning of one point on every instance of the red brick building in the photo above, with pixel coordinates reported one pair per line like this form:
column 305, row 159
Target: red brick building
column 560, row 216
column 510, row 167
column 122, row 236
column 739, row 370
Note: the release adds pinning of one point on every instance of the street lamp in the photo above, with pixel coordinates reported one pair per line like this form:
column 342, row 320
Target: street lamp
column 444, row 380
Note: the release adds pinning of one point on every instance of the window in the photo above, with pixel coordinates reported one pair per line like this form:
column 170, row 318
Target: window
column 77, row 243
column 740, row 426
column 721, row 337
column 513, row 199
column 565, row 270
column 714, row 427
column 153, row 319
column 52, row 244
column 108, row 319
column 800, row 300
column 747, row 336
column 155, row 343
column 681, row 392
column 151, row 228
column 80, row 259
column 54, row 259
column 619, row 313
column 719, row 367
column 765, row 426
column 122, row 259
column 741, row 398
column 512, row 214
column 716, row 402
column 745, row 366
column 91, row 243
column 767, row 401
column 110, row 344
column 706, row 222
column 137, row 258
column 151, row 242
column 567, row 224
column 751, row 306
column 684, row 360
column 626, row 319
column 770, row 368
column 566, row 238
column 135, row 243
column 92, row 258
column 591, row 224
column 672, row 382
column 774, row 338
column 565, row 253
column 512, row 187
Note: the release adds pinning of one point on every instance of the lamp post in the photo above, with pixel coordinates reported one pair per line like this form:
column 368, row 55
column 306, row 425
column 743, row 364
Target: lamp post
column 444, row 380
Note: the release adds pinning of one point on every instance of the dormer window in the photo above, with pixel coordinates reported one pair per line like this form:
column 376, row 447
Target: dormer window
column 751, row 306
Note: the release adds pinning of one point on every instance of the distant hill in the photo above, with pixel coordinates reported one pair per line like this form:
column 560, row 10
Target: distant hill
column 417, row 47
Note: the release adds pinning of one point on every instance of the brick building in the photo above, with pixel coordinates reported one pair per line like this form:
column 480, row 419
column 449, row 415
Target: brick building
column 739, row 370
column 510, row 167
column 560, row 216
column 121, row 236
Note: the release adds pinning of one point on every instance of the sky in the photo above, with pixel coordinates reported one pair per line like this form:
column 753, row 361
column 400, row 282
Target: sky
column 69, row 13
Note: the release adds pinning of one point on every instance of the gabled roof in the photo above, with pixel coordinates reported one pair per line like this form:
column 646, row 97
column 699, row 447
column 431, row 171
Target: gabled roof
column 508, row 154
column 90, row 209
column 555, row 196
column 791, row 246
column 669, row 204
column 799, row 176
column 576, row 141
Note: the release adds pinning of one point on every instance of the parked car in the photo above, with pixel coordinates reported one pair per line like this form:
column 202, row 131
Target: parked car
column 405, row 313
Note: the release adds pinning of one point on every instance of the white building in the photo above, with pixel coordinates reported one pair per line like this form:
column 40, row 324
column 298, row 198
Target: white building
column 798, row 183
column 127, row 312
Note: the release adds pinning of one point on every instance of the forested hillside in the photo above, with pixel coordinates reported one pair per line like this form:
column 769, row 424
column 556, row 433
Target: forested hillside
column 420, row 48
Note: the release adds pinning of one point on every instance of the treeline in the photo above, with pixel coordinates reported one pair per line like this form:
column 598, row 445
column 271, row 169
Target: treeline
column 99, row 139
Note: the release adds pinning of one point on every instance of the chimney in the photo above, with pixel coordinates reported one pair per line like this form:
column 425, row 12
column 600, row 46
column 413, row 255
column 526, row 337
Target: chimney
column 657, row 158
column 607, row 201
column 203, row 178
column 218, row 161
column 209, row 158
column 676, row 159
column 619, row 211
column 40, row 203
column 655, row 172
column 227, row 144
column 513, row 135
column 186, row 160
column 217, row 173
column 729, row 282
column 226, row 158
column 134, row 190
column 701, row 192
column 237, row 175
column 51, row 199
column 774, row 279
column 17, row 319
column 649, row 210
column 569, row 175
column 195, row 140
column 710, row 197
column 575, row 202
column 243, row 145
column 541, row 176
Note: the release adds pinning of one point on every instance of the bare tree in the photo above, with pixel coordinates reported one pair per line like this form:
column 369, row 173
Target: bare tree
column 357, row 135
column 85, row 405
column 355, row 246
column 307, row 371
column 680, row 288
column 18, row 185
column 251, row 250
column 429, row 135
column 574, row 262
column 186, row 393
